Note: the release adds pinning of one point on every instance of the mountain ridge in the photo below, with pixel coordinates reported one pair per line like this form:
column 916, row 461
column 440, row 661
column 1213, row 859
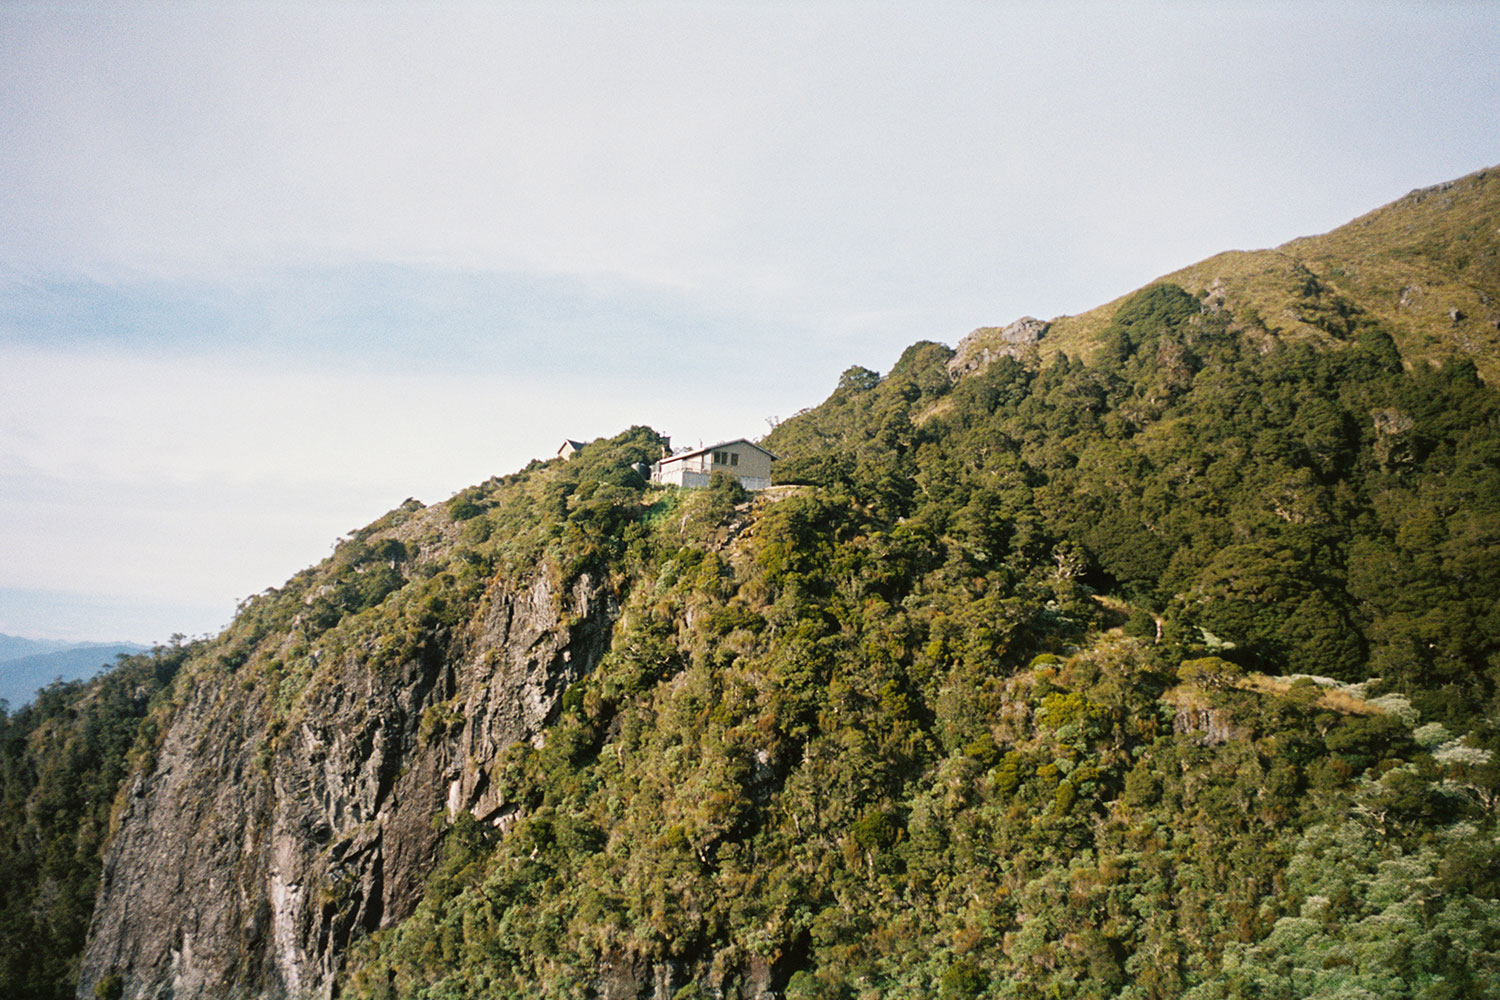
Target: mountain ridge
column 22, row 676
column 1401, row 276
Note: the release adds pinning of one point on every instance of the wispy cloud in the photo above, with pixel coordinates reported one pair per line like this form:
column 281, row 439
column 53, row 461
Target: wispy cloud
column 372, row 315
column 826, row 158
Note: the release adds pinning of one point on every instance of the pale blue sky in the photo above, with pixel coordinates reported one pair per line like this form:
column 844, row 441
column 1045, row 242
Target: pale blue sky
column 266, row 270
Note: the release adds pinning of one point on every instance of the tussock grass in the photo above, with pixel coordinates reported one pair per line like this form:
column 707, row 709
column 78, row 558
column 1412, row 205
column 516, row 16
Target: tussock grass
column 1408, row 264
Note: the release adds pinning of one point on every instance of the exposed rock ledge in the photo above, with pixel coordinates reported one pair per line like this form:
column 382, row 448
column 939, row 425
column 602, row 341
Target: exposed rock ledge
column 983, row 346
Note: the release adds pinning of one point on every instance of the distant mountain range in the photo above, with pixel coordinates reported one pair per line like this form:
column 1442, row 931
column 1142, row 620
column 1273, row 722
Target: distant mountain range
column 27, row 665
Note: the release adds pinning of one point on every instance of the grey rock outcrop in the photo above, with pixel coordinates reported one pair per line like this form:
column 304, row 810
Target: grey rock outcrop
column 262, row 842
column 984, row 345
column 1395, row 438
column 1214, row 726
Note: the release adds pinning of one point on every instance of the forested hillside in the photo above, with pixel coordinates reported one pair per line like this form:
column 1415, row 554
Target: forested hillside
column 1169, row 667
column 62, row 760
column 1004, row 699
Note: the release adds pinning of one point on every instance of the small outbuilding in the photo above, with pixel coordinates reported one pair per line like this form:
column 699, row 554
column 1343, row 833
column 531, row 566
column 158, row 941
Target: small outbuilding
column 569, row 449
column 748, row 462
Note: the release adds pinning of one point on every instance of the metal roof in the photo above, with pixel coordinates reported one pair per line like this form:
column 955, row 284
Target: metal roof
column 714, row 447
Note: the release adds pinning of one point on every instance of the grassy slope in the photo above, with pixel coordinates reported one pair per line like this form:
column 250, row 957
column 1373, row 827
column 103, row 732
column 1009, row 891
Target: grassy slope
column 1407, row 264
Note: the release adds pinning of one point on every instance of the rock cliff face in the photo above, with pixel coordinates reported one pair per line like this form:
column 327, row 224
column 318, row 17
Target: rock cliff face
column 988, row 343
column 261, row 842
column 1215, row 726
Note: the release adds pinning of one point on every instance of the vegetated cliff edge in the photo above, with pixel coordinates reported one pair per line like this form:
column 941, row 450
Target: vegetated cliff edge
column 976, row 704
column 257, row 848
column 289, row 803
